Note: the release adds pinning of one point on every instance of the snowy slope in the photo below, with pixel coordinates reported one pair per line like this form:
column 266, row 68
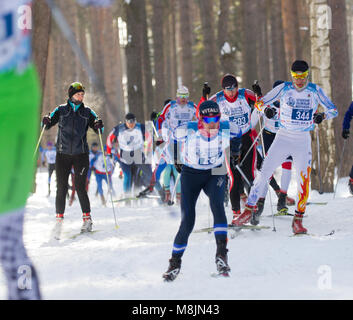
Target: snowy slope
column 128, row 263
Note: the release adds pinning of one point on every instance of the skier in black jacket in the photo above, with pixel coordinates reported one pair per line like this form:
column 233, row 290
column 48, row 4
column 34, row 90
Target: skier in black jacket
column 73, row 119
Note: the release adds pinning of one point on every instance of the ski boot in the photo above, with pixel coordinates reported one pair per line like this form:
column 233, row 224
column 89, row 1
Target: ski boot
column 297, row 225
column 56, row 233
column 245, row 216
column 167, row 197
column 282, row 209
column 243, row 199
column 178, row 198
column 236, row 214
column 289, row 201
column 255, row 217
column 350, row 184
column 222, row 258
column 104, row 202
column 87, row 223
column 173, row 269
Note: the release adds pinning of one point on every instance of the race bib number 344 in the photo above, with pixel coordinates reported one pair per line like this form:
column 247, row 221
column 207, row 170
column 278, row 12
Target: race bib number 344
column 302, row 114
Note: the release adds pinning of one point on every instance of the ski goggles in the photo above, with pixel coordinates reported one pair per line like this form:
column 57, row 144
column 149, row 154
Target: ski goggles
column 131, row 120
column 299, row 75
column 183, row 95
column 209, row 120
column 77, row 86
column 230, row 88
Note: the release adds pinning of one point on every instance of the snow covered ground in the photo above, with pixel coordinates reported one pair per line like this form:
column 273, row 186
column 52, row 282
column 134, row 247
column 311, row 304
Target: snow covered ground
column 128, row 263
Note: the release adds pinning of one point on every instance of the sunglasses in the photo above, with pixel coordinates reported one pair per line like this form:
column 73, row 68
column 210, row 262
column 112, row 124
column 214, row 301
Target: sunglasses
column 299, row 75
column 211, row 119
column 183, row 96
column 131, row 120
column 77, row 86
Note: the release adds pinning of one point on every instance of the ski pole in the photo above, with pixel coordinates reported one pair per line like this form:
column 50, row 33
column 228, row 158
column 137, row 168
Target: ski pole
column 258, row 136
column 108, row 181
column 171, row 201
column 269, row 193
column 318, row 160
column 339, row 168
column 39, row 140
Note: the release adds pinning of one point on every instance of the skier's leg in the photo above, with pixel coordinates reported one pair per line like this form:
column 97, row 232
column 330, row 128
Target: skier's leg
column 81, row 165
column 192, row 182
column 63, row 169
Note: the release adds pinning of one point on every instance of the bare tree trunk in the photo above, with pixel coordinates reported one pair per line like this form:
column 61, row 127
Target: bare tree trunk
column 341, row 81
column 279, row 64
column 291, row 31
column 320, row 72
column 186, row 43
column 158, row 48
column 148, row 92
column 263, row 56
column 249, row 52
column 40, row 39
column 224, row 43
column 134, row 57
column 210, row 61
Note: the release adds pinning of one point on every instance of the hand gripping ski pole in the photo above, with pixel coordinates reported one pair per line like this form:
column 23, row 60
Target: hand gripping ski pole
column 108, row 181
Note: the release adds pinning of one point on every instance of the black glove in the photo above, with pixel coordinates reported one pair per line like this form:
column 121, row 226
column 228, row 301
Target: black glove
column 270, row 112
column 234, row 159
column 257, row 89
column 158, row 142
column 46, row 121
column 153, row 115
column 178, row 166
column 318, row 117
column 345, row 133
column 98, row 125
column 206, row 90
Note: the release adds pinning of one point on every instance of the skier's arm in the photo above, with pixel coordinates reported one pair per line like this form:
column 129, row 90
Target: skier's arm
column 94, row 122
column 53, row 119
column 112, row 138
column 348, row 117
column 331, row 110
column 250, row 98
column 271, row 97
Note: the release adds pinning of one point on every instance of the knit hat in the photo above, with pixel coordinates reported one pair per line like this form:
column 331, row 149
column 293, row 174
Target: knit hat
column 130, row 116
column 209, row 108
column 229, row 82
column 74, row 88
column 300, row 66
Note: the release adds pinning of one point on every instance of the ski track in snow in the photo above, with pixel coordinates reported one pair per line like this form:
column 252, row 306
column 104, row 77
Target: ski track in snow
column 128, row 263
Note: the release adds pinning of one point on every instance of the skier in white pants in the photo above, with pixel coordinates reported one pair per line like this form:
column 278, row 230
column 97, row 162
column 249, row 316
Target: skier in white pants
column 298, row 115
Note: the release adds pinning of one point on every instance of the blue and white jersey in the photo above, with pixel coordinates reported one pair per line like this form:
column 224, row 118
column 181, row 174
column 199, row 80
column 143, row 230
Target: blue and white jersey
column 297, row 108
column 271, row 125
column 130, row 139
column 15, row 40
column 98, row 163
column 49, row 155
column 200, row 152
column 176, row 116
column 237, row 112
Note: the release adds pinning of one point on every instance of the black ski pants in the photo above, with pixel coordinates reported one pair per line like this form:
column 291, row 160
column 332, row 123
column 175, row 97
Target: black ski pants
column 64, row 163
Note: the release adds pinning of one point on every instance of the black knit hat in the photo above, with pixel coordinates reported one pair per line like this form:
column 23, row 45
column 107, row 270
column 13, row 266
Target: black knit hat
column 130, row 116
column 229, row 82
column 74, row 88
column 300, row 66
column 209, row 108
